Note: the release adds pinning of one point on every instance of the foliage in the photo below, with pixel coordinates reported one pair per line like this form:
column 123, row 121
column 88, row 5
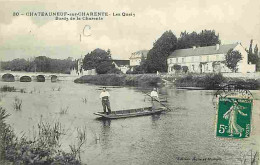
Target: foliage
column 6, row 88
column 208, row 81
column 176, row 67
column 121, row 80
column 43, row 149
column 93, row 59
column 157, row 56
column 185, row 69
column 100, row 60
column 17, row 105
column 64, row 110
column 232, row 58
column 40, row 64
column 105, row 67
column 204, row 38
column 253, row 57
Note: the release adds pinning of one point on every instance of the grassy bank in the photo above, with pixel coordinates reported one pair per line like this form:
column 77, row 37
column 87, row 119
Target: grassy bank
column 214, row 81
column 43, row 149
column 121, row 80
column 206, row 81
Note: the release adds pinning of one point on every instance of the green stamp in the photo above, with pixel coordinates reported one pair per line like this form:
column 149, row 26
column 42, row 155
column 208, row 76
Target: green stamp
column 234, row 117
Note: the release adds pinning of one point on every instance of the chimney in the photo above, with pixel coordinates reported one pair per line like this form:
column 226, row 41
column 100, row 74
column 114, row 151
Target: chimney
column 194, row 47
column 217, row 46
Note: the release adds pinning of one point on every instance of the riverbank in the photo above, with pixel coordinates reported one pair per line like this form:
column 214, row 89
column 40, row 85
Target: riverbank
column 43, row 149
column 121, row 79
column 202, row 81
column 215, row 81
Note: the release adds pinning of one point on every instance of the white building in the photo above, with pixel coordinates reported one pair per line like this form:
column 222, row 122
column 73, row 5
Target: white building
column 136, row 57
column 208, row 59
column 122, row 65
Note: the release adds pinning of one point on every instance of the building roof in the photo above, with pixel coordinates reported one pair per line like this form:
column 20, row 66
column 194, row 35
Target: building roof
column 207, row 50
column 138, row 54
column 121, row 62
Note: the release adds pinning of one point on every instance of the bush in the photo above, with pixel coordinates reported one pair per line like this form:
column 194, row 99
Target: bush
column 208, row 81
column 185, row 69
column 120, row 80
column 6, row 88
column 43, row 150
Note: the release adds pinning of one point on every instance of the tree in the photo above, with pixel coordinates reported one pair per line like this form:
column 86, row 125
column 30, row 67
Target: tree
column 185, row 69
column 232, row 58
column 208, row 38
column 100, row 60
column 256, row 50
column 42, row 64
column 109, row 53
column 177, row 68
column 104, row 67
column 93, row 59
column 204, row 38
column 256, row 57
column 251, row 57
column 157, row 56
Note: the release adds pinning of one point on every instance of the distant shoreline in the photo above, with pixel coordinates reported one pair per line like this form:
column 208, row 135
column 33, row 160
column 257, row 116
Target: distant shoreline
column 210, row 81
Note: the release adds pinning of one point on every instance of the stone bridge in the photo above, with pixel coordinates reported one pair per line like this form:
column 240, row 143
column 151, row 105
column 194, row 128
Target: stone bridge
column 10, row 76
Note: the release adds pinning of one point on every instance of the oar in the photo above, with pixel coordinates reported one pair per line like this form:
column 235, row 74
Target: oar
column 158, row 101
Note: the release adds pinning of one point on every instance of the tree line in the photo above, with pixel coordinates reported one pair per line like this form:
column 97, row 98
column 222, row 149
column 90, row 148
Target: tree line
column 40, row 64
column 253, row 57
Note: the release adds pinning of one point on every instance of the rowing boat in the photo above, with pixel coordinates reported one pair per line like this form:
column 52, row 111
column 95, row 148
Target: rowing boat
column 130, row 113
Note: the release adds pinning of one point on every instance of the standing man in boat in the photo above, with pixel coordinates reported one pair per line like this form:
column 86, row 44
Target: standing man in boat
column 104, row 96
column 155, row 98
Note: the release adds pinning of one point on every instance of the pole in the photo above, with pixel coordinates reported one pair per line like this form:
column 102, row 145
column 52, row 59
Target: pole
column 158, row 101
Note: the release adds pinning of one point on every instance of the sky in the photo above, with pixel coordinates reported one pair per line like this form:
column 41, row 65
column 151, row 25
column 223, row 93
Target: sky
column 26, row 36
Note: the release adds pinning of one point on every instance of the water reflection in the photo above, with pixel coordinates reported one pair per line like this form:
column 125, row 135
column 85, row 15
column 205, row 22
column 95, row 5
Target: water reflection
column 105, row 133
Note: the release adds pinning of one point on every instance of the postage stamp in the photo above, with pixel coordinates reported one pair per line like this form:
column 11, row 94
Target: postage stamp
column 234, row 117
column 234, row 111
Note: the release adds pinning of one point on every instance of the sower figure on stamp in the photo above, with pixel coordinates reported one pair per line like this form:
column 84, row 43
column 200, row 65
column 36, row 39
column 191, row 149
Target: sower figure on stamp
column 232, row 115
column 104, row 96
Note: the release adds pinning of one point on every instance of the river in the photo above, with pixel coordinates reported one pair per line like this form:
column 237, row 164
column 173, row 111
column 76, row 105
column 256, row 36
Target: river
column 185, row 135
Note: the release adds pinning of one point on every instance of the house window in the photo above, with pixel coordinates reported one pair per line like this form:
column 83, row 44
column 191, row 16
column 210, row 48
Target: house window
column 207, row 67
column 193, row 67
column 182, row 60
column 176, row 60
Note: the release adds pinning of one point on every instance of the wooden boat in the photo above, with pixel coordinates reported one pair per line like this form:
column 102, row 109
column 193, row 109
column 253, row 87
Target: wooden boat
column 130, row 113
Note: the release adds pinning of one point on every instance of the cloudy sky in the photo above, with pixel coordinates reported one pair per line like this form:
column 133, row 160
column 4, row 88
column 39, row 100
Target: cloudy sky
column 25, row 36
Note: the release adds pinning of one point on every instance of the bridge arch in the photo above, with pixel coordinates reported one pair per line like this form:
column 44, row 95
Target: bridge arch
column 8, row 77
column 54, row 78
column 25, row 79
column 40, row 78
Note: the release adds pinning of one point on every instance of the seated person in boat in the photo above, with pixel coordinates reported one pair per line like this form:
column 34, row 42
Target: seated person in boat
column 104, row 96
column 155, row 99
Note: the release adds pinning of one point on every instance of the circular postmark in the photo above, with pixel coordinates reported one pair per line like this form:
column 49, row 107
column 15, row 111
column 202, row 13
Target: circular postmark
column 231, row 90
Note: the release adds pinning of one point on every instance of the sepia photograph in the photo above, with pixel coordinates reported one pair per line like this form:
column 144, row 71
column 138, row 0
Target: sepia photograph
column 127, row 82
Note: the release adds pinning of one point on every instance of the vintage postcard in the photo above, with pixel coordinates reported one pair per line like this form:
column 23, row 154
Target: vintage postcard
column 127, row 82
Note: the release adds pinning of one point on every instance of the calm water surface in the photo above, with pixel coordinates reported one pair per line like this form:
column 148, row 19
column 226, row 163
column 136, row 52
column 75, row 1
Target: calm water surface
column 187, row 132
